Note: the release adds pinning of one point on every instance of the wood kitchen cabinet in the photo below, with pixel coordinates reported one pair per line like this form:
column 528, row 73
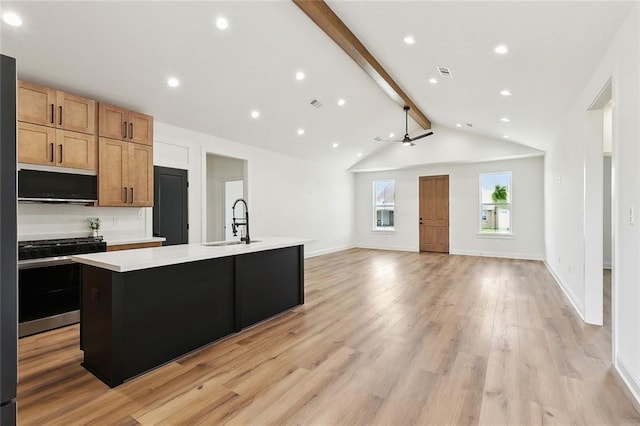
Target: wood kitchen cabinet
column 54, row 108
column 126, row 174
column 118, row 123
column 56, row 147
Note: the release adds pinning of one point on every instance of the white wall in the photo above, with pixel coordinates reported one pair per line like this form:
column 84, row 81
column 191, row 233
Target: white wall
column 464, row 209
column 567, row 162
column 287, row 196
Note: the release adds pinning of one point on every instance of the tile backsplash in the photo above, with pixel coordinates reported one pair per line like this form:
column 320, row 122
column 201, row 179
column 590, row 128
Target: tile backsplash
column 41, row 220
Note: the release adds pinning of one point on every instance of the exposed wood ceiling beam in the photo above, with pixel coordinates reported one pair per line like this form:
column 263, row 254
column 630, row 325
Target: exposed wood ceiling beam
column 328, row 21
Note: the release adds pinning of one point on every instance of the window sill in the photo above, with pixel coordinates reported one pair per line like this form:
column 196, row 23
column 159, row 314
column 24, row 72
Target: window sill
column 384, row 230
column 505, row 236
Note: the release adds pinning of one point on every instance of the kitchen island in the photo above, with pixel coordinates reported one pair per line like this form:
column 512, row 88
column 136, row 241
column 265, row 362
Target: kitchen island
column 143, row 308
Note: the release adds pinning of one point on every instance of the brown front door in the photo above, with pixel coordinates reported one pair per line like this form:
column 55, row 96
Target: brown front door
column 434, row 213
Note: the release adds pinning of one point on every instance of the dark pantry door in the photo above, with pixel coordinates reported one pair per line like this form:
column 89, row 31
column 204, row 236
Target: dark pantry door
column 170, row 209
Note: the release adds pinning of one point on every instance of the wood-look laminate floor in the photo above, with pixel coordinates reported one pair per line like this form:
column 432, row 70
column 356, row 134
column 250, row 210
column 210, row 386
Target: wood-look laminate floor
column 385, row 337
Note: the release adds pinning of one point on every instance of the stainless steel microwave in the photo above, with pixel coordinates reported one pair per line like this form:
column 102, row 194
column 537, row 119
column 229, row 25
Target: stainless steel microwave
column 55, row 187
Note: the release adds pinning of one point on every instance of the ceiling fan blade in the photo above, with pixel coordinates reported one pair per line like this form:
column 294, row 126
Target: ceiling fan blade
column 422, row 136
column 386, row 140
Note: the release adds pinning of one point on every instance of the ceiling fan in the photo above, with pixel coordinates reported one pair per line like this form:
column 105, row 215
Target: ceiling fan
column 406, row 141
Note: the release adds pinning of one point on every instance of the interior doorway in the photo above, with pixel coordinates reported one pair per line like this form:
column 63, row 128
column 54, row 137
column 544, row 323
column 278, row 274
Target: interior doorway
column 434, row 213
column 220, row 170
column 599, row 214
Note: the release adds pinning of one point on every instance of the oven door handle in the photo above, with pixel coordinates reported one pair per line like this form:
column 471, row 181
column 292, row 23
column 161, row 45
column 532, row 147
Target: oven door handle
column 44, row 261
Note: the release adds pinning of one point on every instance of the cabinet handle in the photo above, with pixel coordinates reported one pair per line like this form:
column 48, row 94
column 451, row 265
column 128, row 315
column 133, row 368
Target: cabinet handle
column 130, row 130
column 131, row 195
column 52, row 159
column 60, row 117
column 124, row 130
column 52, row 114
column 125, row 195
column 60, row 159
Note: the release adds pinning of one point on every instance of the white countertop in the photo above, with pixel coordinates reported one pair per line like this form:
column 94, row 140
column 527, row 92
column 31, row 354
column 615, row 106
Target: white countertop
column 145, row 258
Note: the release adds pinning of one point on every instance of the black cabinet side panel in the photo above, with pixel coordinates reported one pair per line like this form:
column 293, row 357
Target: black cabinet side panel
column 96, row 332
column 267, row 283
column 172, row 310
column 8, row 234
column 8, row 414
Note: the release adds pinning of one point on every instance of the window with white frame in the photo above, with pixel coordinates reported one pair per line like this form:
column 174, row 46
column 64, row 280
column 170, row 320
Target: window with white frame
column 495, row 203
column 384, row 202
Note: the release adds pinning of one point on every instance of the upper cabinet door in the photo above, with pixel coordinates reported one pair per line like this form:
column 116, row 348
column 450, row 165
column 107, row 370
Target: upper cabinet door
column 113, row 176
column 140, row 128
column 36, row 144
column 36, row 104
column 75, row 113
column 141, row 175
column 113, row 122
column 76, row 150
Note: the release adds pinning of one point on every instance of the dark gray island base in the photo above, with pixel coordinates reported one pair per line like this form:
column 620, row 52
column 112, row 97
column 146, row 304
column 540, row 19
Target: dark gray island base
column 132, row 322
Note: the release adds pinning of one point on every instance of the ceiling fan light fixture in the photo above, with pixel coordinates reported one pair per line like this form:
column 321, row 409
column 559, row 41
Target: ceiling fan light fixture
column 407, row 143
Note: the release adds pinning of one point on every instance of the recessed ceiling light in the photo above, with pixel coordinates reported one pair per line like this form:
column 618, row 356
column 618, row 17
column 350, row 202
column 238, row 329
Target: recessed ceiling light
column 433, row 81
column 505, row 119
column 391, row 135
column 409, row 40
column 341, row 102
column 173, row 82
column 222, row 23
column 458, row 125
column 300, row 132
column 501, row 49
column 11, row 18
column 335, row 145
column 506, row 137
column 299, row 75
column 359, row 154
column 255, row 114
column 505, row 92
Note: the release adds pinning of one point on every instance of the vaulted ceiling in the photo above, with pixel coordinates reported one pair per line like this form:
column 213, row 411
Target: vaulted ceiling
column 123, row 53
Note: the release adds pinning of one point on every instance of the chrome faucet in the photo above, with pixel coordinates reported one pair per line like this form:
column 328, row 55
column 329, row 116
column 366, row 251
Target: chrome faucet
column 241, row 221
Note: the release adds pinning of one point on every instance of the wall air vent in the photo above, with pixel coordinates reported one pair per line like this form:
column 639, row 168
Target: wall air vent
column 316, row 103
column 444, row 71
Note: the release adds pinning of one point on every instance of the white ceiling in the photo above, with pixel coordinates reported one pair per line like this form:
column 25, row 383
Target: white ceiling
column 123, row 52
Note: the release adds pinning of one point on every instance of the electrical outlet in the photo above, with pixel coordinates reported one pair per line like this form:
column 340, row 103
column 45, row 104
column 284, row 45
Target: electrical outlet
column 632, row 215
column 115, row 220
column 140, row 214
column 558, row 259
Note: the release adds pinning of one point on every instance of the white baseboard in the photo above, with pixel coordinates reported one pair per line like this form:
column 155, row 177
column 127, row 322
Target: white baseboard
column 365, row 246
column 630, row 379
column 326, row 251
column 522, row 256
column 575, row 302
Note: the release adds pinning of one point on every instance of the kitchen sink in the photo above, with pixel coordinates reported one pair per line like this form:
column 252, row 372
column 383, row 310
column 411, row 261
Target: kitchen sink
column 227, row 243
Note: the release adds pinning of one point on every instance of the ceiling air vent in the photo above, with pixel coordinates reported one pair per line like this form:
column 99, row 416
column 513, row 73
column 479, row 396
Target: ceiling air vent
column 316, row 103
column 444, row 71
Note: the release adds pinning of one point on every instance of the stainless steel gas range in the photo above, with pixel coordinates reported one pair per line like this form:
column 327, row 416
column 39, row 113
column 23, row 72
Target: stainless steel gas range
column 49, row 282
